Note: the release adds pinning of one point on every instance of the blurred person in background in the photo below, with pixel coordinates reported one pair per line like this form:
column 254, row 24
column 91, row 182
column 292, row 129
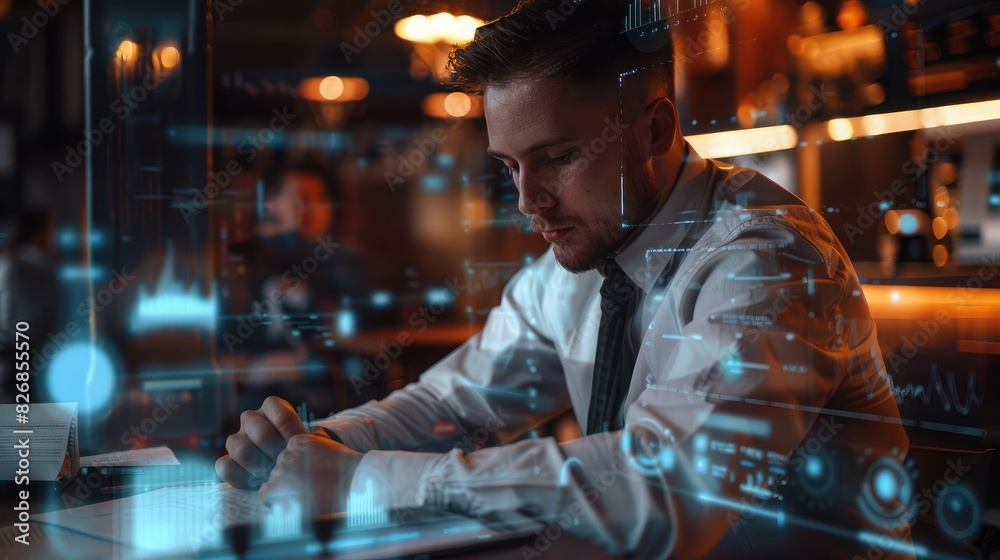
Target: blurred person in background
column 29, row 288
column 302, row 274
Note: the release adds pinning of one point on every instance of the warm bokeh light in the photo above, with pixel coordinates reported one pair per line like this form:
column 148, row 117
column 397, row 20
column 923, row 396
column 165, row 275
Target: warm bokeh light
column 744, row 142
column 438, row 28
column 951, row 218
column 941, row 198
column 356, row 89
column 923, row 301
column 892, row 222
column 812, row 15
column 940, row 254
column 331, row 88
column 169, row 57
column 946, row 173
column 781, row 83
column 415, row 29
column 795, row 45
column 852, row 15
column 334, row 88
column 840, row 130
column 940, row 227
column 457, row 104
column 127, row 50
column 908, row 121
column 874, row 125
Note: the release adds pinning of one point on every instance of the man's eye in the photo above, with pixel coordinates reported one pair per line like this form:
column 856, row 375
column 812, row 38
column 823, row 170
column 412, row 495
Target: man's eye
column 564, row 158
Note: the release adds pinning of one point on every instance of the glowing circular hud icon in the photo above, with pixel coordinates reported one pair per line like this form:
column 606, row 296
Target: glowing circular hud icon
column 958, row 513
column 83, row 373
column 817, row 476
column 886, row 486
column 649, row 446
column 886, row 493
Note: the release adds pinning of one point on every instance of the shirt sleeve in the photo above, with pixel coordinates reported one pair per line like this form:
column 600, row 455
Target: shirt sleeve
column 775, row 379
column 494, row 388
column 772, row 328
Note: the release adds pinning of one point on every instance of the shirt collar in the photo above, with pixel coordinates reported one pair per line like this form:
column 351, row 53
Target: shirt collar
column 642, row 259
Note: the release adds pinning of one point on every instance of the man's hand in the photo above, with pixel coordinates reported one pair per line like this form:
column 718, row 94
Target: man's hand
column 314, row 470
column 263, row 436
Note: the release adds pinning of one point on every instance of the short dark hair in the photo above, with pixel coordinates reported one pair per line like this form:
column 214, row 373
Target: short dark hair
column 576, row 39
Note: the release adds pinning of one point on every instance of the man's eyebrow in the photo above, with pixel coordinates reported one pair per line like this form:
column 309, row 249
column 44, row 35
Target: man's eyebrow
column 539, row 146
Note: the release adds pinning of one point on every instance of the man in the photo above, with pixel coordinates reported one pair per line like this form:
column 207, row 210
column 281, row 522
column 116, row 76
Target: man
column 706, row 328
column 298, row 270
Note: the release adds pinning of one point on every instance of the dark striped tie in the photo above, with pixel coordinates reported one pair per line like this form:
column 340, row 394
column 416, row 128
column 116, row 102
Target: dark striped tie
column 608, row 392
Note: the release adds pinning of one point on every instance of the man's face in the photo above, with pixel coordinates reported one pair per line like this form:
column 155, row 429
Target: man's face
column 284, row 209
column 300, row 205
column 564, row 153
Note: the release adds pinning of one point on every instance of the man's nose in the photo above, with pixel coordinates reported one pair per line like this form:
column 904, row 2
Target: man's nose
column 533, row 197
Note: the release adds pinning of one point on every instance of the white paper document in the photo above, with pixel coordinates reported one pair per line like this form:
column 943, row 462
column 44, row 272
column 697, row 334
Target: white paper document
column 132, row 458
column 45, row 441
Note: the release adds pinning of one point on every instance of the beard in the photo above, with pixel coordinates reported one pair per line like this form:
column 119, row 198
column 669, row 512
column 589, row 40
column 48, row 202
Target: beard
column 590, row 244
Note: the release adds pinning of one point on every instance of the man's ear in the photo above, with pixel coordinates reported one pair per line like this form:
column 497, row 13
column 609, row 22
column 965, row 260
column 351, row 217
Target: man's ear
column 662, row 115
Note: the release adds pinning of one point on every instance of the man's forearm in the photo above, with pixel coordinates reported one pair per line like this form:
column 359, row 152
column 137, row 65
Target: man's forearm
column 475, row 397
column 586, row 488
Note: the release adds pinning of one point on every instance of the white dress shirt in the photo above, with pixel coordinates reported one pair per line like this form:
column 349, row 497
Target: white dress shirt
column 761, row 332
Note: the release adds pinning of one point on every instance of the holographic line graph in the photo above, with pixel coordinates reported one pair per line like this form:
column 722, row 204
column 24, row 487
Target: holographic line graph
column 639, row 15
column 950, row 399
